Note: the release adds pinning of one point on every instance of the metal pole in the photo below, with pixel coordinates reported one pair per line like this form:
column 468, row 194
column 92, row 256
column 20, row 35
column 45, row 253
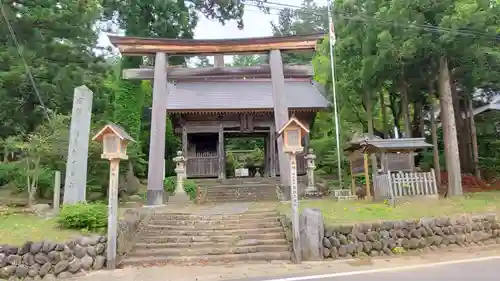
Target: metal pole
column 332, row 65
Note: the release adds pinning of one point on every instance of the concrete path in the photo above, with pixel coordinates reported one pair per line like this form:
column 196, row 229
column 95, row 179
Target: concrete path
column 461, row 270
column 382, row 269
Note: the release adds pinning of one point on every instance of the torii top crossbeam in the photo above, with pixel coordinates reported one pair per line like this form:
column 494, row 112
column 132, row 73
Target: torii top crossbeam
column 138, row 46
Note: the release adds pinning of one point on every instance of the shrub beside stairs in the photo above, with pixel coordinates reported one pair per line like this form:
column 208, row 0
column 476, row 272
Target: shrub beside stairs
column 187, row 238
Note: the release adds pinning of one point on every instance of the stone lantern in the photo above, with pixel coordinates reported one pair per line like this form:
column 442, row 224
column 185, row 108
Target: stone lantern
column 180, row 169
column 311, row 165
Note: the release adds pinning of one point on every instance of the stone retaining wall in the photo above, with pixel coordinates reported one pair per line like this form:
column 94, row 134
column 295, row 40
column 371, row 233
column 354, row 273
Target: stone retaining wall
column 396, row 237
column 128, row 227
column 392, row 237
column 46, row 260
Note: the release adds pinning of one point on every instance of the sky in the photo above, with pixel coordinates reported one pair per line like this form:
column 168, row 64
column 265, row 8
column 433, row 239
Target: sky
column 257, row 24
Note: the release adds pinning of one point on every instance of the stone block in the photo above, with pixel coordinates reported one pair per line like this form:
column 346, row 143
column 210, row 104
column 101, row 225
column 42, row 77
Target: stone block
column 311, row 234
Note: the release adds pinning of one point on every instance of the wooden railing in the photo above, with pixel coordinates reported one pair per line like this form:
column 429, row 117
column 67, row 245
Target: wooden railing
column 401, row 184
column 205, row 164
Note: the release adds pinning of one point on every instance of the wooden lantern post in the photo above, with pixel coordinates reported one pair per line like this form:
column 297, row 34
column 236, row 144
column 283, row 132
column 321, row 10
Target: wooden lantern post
column 115, row 141
column 293, row 131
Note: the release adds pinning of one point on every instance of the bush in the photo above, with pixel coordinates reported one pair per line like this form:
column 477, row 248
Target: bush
column 84, row 216
column 10, row 172
column 189, row 186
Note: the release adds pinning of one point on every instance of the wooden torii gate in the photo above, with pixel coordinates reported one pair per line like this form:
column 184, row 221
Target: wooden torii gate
column 162, row 48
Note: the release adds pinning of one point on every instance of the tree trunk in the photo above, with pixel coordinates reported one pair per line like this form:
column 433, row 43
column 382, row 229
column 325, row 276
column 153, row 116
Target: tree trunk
column 435, row 149
column 385, row 130
column 465, row 135
column 369, row 110
column 417, row 121
column 421, row 124
column 473, row 133
column 451, row 141
column 404, row 110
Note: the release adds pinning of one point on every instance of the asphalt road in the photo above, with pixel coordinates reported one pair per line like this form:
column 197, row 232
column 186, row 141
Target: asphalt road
column 486, row 270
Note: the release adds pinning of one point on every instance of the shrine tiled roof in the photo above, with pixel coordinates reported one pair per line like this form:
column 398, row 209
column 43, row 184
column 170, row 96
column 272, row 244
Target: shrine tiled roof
column 401, row 144
column 251, row 94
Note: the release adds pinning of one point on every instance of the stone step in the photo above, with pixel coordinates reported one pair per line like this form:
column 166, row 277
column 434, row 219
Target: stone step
column 247, row 215
column 214, row 222
column 238, row 199
column 135, row 261
column 193, row 232
column 241, row 191
column 206, row 250
column 250, row 192
column 210, row 238
column 210, row 244
column 241, row 195
column 238, row 181
column 212, row 226
column 255, row 185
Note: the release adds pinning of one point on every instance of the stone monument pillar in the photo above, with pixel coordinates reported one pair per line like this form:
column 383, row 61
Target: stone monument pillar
column 310, row 157
column 180, row 169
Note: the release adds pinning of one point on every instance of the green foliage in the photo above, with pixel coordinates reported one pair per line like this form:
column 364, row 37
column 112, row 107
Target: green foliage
column 170, row 183
column 231, row 164
column 190, row 188
column 128, row 107
column 398, row 250
column 84, row 216
column 58, row 66
column 10, row 172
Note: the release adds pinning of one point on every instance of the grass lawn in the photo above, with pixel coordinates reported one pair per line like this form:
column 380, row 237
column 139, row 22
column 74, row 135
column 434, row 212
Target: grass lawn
column 337, row 212
column 15, row 229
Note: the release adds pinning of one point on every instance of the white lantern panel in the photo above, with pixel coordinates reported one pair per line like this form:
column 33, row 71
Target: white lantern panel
column 122, row 147
column 110, row 144
column 293, row 137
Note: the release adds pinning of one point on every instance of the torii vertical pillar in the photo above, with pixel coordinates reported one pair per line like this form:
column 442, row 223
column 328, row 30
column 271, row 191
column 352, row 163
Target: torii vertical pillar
column 280, row 111
column 155, row 189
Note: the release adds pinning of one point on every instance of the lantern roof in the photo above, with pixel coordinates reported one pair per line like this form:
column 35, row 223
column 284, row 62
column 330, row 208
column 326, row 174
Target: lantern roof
column 115, row 129
column 294, row 121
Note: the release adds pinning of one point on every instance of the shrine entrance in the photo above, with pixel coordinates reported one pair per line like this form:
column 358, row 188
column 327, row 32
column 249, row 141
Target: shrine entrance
column 246, row 155
column 206, row 105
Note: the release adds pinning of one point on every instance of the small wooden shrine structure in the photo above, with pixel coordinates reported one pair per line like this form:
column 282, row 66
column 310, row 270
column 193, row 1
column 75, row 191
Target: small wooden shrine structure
column 208, row 105
column 393, row 156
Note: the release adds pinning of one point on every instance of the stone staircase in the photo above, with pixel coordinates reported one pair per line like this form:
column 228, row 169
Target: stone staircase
column 239, row 189
column 190, row 238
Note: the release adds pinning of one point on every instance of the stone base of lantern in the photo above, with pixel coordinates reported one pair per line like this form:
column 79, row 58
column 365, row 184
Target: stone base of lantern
column 179, row 197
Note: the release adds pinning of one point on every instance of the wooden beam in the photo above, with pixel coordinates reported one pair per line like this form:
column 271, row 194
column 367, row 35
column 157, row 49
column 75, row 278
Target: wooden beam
column 221, row 153
column 147, row 46
column 272, row 150
column 259, row 71
column 280, row 111
column 219, row 61
column 158, row 127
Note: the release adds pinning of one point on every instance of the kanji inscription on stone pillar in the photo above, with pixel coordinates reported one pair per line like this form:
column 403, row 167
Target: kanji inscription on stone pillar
column 76, row 165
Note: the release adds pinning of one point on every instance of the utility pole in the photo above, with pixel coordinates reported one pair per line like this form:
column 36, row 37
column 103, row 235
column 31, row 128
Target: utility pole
column 332, row 65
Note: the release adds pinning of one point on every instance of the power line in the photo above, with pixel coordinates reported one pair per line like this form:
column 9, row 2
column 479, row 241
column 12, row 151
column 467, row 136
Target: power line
column 465, row 32
column 26, row 67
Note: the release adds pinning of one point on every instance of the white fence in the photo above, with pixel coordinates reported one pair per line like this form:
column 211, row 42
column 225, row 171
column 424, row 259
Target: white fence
column 401, row 184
